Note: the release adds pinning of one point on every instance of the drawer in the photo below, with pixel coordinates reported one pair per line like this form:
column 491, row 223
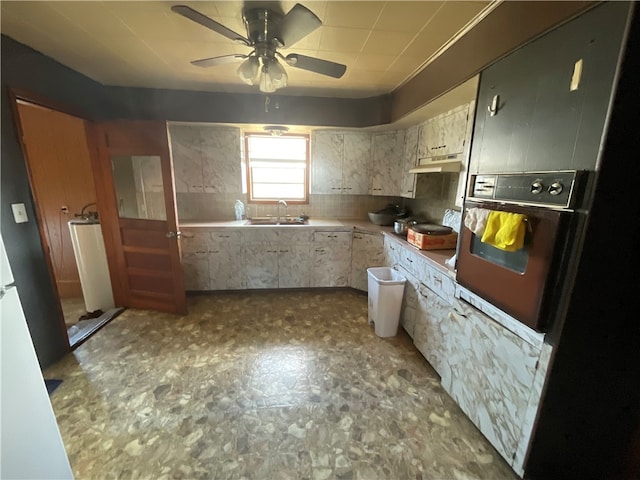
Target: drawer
column 231, row 236
column 328, row 237
column 441, row 283
column 291, row 235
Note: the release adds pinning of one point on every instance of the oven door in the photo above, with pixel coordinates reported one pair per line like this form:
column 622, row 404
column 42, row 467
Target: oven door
column 515, row 282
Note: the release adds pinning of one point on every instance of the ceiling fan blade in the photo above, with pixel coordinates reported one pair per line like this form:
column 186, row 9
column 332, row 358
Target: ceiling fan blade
column 213, row 61
column 205, row 21
column 317, row 65
column 297, row 24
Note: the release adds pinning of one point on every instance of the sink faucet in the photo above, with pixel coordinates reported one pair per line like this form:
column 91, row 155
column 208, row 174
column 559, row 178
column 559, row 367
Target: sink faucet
column 281, row 202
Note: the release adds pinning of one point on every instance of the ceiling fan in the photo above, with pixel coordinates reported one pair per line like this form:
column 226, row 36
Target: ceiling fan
column 267, row 31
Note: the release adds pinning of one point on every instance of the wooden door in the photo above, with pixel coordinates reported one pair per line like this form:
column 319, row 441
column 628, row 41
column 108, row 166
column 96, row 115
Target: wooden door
column 59, row 165
column 133, row 159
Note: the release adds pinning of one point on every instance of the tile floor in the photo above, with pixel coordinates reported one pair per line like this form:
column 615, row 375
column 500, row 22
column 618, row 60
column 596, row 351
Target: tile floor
column 272, row 385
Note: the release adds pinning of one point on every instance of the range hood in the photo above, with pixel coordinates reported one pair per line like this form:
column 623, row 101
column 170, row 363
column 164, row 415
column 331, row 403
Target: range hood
column 442, row 163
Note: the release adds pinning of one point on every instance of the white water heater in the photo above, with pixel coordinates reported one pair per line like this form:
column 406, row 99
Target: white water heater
column 91, row 258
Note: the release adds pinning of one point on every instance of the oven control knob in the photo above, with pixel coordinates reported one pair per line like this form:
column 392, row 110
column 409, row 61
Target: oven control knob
column 555, row 188
column 536, row 187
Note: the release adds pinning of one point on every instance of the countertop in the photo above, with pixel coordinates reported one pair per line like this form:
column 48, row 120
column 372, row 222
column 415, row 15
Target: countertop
column 436, row 256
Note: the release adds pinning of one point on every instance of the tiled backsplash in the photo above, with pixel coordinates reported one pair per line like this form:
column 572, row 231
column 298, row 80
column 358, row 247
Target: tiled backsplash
column 220, row 206
column 435, row 192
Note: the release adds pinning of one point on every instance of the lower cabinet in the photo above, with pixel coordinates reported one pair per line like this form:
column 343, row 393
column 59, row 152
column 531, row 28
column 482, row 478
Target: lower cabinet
column 331, row 253
column 410, row 302
column 294, row 266
column 226, row 269
column 195, row 265
column 367, row 251
column 430, row 325
column 261, row 265
column 489, row 371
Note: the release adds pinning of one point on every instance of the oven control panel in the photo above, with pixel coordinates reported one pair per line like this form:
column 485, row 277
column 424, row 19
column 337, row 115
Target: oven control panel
column 553, row 189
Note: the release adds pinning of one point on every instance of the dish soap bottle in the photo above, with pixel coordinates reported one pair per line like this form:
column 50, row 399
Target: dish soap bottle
column 239, row 210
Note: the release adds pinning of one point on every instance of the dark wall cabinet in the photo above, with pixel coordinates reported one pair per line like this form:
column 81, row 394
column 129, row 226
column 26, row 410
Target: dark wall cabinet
column 541, row 121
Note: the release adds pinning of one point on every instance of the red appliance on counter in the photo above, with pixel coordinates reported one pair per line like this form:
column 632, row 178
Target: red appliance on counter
column 521, row 283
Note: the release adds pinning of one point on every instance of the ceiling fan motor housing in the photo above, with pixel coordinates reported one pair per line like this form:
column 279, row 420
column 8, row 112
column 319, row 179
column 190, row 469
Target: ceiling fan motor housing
column 260, row 24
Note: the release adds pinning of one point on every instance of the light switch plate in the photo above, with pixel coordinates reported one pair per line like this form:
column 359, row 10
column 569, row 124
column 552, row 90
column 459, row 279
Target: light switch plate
column 19, row 212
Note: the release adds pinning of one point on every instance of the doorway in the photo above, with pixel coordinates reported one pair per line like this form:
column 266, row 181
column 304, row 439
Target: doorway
column 58, row 161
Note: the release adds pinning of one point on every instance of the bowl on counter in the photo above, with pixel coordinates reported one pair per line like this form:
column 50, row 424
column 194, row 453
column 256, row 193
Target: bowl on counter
column 382, row 219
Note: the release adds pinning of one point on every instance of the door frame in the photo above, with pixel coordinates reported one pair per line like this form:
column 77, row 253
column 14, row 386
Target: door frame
column 15, row 95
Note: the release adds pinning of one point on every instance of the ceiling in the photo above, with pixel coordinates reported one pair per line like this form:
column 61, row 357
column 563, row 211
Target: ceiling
column 145, row 44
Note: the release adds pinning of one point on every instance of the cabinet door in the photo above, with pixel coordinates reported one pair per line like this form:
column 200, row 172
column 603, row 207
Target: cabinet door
column 409, row 160
column 355, row 164
column 454, row 127
column 386, row 164
column 542, row 123
column 434, row 137
column 221, row 159
column 195, row 265
column 330, row 266
column 261, row 265
column 331, row 259
column 326, row 163
column 294, row 266
column 367, row 252
column 431, row 315
column 489, row 372
column 409, row 311
column 187, row 158
column 226, row 269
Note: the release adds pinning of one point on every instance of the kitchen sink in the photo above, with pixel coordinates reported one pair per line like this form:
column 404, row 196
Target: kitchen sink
column 275, row 221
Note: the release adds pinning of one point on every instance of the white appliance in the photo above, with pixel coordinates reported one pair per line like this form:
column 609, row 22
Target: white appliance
column 31, row 445
column 88, row 248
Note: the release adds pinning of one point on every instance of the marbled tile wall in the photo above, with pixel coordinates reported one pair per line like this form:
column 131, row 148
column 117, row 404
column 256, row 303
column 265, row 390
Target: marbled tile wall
column 435, row 193
column 216, row 207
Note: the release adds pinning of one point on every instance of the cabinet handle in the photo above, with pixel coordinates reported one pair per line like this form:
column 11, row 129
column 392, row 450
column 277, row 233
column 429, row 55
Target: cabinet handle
column 409, row 260
column 459, row 313
column 336, row 188
column 493, row 108
column 214, row 251
column 332, row 236
column 347, row 188
column 223, row 236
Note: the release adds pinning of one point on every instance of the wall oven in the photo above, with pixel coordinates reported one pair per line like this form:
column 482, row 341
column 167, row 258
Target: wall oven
column 524, row 283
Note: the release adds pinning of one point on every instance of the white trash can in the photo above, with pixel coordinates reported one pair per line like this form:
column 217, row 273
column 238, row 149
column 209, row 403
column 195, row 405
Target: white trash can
column 386, row 289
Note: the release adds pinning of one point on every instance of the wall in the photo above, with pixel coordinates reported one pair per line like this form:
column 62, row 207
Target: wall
column 27, row 69
column 435, row 192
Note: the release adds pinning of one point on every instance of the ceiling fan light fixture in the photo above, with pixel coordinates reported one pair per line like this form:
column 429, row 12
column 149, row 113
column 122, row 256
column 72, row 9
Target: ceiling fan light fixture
column 273, row 76
column 249, row 70
column 276, row 130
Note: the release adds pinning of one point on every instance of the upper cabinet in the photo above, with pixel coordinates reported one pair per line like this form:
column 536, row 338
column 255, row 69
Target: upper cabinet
column 544, row 106
column 206, row 159
column 340, row 163
column 444, row 134
column 386, row 165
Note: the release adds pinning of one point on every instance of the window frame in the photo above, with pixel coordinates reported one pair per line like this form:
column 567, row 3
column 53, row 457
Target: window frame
column 249, row 179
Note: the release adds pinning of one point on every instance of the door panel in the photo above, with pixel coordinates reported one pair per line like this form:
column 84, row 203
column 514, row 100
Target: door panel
column 134, row 161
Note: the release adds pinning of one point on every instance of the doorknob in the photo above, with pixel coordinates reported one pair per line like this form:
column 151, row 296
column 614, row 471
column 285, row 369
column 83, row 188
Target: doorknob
column 177, row 234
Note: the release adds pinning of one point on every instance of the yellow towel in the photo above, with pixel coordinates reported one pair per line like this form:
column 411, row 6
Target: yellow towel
column 505, row 230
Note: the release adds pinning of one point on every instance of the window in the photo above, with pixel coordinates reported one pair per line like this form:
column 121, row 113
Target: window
column 277, row 168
